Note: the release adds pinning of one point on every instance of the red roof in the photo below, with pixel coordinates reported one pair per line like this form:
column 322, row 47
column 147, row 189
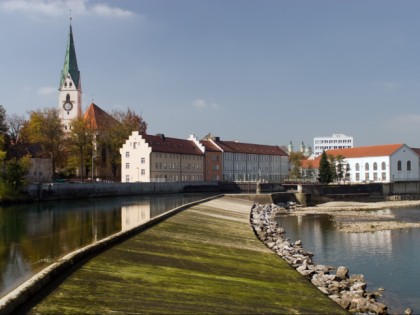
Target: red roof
column 210, row 146
column 305, row 164
column 376, row 150
column 98, row 119
column 160, row 143
column 249, row 148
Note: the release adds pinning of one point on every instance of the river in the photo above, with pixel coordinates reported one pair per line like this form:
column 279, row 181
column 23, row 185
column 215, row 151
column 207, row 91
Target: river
column 32, row 236
column 387, row 259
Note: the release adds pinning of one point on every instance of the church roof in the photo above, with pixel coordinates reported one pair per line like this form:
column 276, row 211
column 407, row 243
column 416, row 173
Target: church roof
column 70, row 63
column 98, row 119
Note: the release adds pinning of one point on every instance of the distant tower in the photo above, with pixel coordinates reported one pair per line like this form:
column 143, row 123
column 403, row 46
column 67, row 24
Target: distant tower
column 302, row 148
column 70, row 90
column 290, row 147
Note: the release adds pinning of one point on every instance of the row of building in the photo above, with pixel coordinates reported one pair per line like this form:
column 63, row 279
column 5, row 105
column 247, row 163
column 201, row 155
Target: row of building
column 157, row 158
column 151, row 158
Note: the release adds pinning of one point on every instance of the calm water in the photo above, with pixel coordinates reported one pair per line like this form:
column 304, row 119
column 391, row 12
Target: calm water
column 32, row 236
column 388, row 259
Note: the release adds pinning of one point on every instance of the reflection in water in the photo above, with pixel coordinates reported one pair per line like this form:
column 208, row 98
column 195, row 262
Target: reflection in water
column 32, row 236
column 388, row 259
column 134, row 215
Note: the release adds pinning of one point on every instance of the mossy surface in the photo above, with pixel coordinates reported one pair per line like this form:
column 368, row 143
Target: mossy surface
column 204, row 260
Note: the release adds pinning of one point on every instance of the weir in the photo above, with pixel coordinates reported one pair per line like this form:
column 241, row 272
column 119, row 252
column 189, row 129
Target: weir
column 205, row 258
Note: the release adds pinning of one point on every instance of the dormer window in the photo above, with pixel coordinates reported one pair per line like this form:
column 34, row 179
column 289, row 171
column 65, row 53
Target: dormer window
column 65, row 84
column 71, row 84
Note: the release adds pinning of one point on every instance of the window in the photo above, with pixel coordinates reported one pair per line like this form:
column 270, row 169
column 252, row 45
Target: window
column 383, row 176
column 383, row 166
column 399, row 166
column 375, row 166
column 357, row 167
column 375, row 176
column 134, row 145
column 366, row 176
column 127, row 166
column 367, row 167
column 357, row 177
column 143, row 160
column 127, row 178
column 127, row 154
column 143, row 171
column 408, row 165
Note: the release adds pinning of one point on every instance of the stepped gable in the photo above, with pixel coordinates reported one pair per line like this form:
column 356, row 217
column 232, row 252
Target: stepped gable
column 98, row 119
column 160, row 143
column 249, row 148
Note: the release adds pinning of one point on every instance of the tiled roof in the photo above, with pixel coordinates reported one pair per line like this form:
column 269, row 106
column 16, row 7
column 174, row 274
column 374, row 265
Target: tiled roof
column 305, row 164
column 160, row 143
column 210, row 146
column 417, row 150
column 368, row 151
column 98, row 119
column 249, row 148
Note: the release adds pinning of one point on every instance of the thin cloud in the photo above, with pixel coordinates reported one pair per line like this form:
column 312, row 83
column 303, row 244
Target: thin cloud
column 202, row 104
column 55, row 8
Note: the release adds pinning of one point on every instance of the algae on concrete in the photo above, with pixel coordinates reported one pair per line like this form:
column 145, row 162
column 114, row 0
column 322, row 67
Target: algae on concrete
column 205, row 259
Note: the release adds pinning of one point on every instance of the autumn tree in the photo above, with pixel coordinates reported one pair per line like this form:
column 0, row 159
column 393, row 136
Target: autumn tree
column 80, row 141
column 295, row 161
column 44, row 127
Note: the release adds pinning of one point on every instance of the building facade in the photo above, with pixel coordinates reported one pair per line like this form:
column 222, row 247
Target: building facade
column 245, row 161
column 336, row 141
column 149, row 158
column 374, row 164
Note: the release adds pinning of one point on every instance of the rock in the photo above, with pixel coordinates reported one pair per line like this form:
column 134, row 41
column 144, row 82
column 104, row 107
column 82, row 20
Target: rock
column 342, row 272
column 408, row 311
column 358, row 286
column 298, row 243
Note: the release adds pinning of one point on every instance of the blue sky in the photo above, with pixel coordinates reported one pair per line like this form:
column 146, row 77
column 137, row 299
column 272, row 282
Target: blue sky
column 257, row 71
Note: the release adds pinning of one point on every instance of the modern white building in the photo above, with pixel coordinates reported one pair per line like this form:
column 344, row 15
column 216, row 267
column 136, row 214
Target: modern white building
column 149, row 158
column 373, row 164
column 336, row 141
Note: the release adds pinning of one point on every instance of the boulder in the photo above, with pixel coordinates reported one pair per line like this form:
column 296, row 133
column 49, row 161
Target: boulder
column 342, row 272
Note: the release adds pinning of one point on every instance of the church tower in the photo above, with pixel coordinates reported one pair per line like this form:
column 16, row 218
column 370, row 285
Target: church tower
column 70, row 90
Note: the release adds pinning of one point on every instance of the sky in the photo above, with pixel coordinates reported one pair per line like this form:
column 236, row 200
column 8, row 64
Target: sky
column 254, row 71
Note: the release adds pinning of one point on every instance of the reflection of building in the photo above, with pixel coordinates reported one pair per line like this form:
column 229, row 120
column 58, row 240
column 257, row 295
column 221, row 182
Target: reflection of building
column 336, row 141
column 134, row 215
column 147, row 158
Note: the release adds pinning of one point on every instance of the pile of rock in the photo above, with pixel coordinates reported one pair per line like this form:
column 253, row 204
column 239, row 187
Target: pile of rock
column 347, row 291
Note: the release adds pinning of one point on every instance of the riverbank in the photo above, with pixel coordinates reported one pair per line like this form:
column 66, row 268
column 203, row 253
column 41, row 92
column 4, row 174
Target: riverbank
column 206, row 259
column 356, row 217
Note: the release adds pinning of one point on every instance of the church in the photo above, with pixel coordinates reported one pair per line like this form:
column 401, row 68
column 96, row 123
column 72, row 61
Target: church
column 70, row 107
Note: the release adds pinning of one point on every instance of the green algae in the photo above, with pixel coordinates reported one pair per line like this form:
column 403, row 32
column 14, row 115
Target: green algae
column 190, row 263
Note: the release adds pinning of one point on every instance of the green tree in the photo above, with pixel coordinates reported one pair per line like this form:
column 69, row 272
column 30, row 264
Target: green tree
column 333, row 167
column 44, row 127
column 325, row 175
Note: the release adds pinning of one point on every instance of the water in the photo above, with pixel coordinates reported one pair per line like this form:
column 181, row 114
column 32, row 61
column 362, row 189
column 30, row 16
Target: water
column 32, row 236
column 387, row 259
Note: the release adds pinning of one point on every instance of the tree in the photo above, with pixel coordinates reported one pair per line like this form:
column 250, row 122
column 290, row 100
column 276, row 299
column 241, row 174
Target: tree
column 80, row 140
column 295, row 160
column 340, row 167
column 333, row 167
column 325, row 175
column 14, row 132
column 44, row 127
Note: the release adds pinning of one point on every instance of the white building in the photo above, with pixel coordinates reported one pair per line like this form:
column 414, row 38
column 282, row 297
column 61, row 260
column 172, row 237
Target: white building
column 148, row 158
column 336, row 141
column 377, row 164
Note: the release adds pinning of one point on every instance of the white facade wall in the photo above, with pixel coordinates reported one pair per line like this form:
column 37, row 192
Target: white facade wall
column 336, row 141
column 135, row 159
column 403, row 165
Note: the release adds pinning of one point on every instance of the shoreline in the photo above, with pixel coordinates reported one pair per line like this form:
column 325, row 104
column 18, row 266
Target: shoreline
column 355, row 217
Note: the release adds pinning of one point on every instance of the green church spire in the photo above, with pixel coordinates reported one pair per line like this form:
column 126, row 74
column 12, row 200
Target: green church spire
column 70, row 63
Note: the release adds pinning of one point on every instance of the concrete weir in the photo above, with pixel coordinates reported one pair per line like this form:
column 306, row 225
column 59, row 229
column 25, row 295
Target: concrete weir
column 204, row 259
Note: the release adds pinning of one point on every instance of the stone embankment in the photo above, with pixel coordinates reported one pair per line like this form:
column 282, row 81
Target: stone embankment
column 347, row 291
